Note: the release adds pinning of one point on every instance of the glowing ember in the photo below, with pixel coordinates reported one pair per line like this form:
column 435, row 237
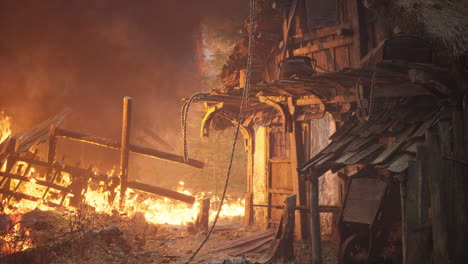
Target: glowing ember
column 16, row 237
column 5, row 127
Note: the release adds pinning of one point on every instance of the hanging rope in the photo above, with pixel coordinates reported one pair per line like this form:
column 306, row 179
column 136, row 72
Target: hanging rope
column 245, row 97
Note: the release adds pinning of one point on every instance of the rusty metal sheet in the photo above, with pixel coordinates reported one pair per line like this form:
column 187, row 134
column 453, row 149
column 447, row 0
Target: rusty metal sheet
column 363, row 200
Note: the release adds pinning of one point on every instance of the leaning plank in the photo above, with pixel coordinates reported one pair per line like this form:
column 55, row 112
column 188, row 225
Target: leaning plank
column 110, row 143
column 35, row 181
column 282, row 247
column 28, row 197
column 161, row 191
column 65, row 168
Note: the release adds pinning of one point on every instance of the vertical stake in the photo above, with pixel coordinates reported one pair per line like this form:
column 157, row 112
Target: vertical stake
column 315, row 221
column 52, row 150
column 126, row 128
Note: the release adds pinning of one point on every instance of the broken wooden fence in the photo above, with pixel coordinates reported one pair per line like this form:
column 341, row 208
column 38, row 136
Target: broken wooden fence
column 16, row 149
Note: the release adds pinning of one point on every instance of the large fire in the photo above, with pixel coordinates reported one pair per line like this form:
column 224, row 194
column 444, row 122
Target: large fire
column 96, row 195
column 5, row 126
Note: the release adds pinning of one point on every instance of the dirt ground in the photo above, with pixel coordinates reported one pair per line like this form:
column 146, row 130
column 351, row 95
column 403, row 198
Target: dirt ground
column 62, row 238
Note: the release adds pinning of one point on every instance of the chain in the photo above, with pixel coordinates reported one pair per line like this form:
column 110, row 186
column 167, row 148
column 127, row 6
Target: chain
column 245, row 100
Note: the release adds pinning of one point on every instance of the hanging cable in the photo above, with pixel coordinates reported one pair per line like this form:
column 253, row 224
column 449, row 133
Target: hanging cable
column 183, row 121
column 245, row 100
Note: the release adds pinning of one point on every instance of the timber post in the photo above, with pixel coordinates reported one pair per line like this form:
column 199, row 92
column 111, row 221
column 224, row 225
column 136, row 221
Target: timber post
column 416, row 239
column 124, row 150
column 315, row 221
column 203, row 215
column 248, row 214
column 439, row 228
column 52, row 149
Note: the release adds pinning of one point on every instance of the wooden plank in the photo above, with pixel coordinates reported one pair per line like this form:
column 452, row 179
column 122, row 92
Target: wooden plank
column 114, row 144
column 35, row 181
column 65, row 168
column 246, row 240
column 161, row 191
column 283, row 246
column 252, row 247
column 322, row 46
column 27, row 197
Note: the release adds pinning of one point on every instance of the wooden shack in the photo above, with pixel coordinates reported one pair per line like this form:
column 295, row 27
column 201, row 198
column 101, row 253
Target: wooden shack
column 335, row 92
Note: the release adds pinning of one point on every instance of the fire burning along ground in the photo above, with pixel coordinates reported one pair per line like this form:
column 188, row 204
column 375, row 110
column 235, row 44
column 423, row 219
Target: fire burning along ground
column 27, row 188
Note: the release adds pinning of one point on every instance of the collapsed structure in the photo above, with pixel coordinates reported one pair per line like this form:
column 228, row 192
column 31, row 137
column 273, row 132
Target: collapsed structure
column 375, row 121
column 21, row 150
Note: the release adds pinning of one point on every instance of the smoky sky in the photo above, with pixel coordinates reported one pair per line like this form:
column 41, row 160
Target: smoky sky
column 88, row 54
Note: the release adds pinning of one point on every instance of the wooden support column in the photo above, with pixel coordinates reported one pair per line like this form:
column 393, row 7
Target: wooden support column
column 297, row 158
column 417, row 239
column 126, row 129
column 439, row 214
column 404, row 231
column 10, row 148
column 460, row 172
column 203, row 215
column 248, row 214
column 250, row 147
column 315, row 221
column 52, row 150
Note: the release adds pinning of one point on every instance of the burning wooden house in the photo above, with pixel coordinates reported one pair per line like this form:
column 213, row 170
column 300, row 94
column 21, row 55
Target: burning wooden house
column 367, row 127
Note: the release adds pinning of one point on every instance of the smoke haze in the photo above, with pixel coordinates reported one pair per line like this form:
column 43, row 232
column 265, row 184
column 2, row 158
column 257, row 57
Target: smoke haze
column 88, row 54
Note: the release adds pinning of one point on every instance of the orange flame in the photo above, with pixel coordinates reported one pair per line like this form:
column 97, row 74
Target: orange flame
column 5, row 126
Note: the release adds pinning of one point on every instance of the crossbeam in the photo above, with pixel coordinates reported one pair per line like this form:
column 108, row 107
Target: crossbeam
column 114, row 144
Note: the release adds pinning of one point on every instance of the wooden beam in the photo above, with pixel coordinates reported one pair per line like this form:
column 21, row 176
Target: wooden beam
column 113, row 144
column 52, row 144
column 27, row 197
column 161, row 191
column 35, row 181
column 65, row 168
column 124, row 146
column 315, row 221
column 322, row 46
